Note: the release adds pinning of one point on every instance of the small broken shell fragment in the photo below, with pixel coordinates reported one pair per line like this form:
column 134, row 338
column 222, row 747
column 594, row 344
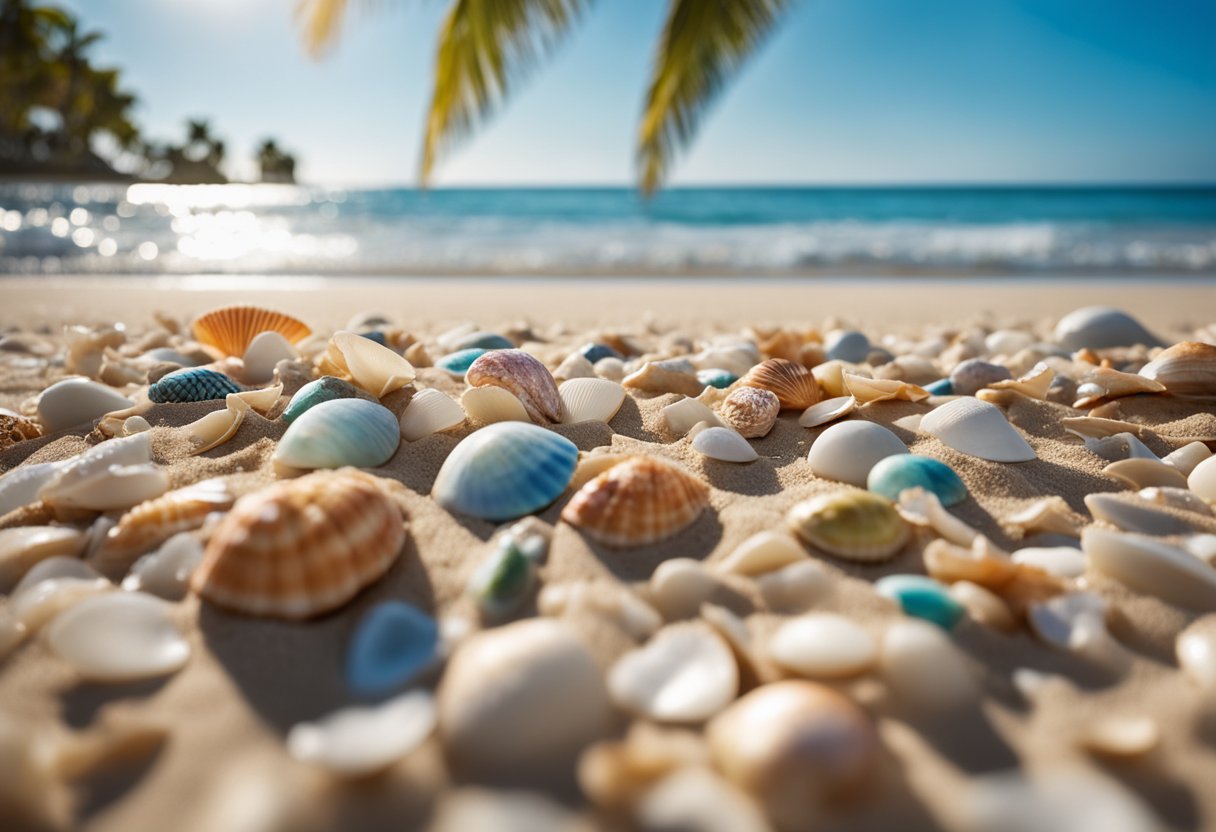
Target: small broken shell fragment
column 763, row 552
column 1131, row 515
column 1049, row 514
column 1061, row 561
column 1076, row 622
column 828, row 410
column 362, row 361
column 823, row 646
column 680, row 417
column 1104, row 383
column 1034, row 384
column 984, row 606
column 679, row 586
column 430, row 411
column 1152, row 566
column 219, row 426
column 1142, row 473
column 360, row 740
column 1118, row 446
column 119, row 637
column 523, row 376
column 488, row 405
column 24, row 546
column 1187, row 458
column 923, row 508
column 1179, row 498
column 724, row 444
column 751, row 411
column 685, row 673
column 857, row 526
column 1096, row 427
column 869, row 390
column 392, row 645
column 166, row 572
column 654, row 377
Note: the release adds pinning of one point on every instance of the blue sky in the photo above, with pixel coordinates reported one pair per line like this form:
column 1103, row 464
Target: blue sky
column 849, row 91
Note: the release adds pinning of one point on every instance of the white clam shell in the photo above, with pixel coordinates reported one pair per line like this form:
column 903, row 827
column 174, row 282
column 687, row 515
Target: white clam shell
column 846, row 452
column 119, row 636
column 610, row 368
column 763, row 552
column 794, row 587
column 680, row 417
column 823, row 645
column 977, row 428
column 1101, row 327
column 75, row 401
column 20, row 486
column 38, row 604
column 1118, row 446
column 113, row 475
column 1196, row 651
column 1061, row 561
column 680, row 586
column 265, row 351
column 1131, row 515
column 923, row 669
column 429, row 411
column 357, row 741
column 166, row 572
column 489, row 404
column 1143, row 473
column 1202, row 479
column 1152, row 566
column 828, row 410
column 724, row 444
column 590, row 400
column 1187, row 458
column 686, row 673
column 24, row 546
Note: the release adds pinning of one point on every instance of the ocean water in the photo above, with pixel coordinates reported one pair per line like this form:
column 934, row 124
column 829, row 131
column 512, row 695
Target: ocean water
column 304, row 230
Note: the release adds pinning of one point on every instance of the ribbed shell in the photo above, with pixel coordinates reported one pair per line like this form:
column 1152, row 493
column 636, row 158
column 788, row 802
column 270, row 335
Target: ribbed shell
column 750, row 410
column 301, row 547
column 232, row 328
column 1186, row 369
column 794, row 385
column 522, row 375
column 193, row 384
column 639, row 501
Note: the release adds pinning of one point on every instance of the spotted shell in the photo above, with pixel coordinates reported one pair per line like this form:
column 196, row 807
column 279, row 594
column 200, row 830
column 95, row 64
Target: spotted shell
column 639, row 501
column 522, row 375
column 193, row 384
column 751, row 411
column 856, row 525
column 301, row 547
column 232, row 328
column 795, row 387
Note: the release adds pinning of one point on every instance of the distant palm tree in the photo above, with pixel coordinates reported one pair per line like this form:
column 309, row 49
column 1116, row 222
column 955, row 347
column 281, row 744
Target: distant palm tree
column 485, row 46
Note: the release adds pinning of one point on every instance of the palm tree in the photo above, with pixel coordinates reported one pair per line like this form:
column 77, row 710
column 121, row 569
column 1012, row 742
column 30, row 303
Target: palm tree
column 486, row 46
column 26, row 78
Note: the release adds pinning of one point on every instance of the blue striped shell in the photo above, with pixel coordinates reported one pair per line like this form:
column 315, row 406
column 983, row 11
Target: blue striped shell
column 340, row 432
column 458, row 363
column 716, row 378
column 890, row 476
column 193, row 384
column 484, row 341
column 596, row 352
column 324, row 389
column 504, row 471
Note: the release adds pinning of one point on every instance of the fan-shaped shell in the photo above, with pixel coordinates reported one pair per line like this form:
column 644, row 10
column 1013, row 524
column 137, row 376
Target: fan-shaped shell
column 977, row 428
column 1186, row 369
column 847, row 451
column 340, row 432
column 490, row 404
column 504, row 471
column 522, row 375
column 751, row 411
column 853, row 525
column 795, row 387
column 590, row 400
column 639, row 501
column 301, row 547
column 193, row 384
column 232, row 329
column 429, row 411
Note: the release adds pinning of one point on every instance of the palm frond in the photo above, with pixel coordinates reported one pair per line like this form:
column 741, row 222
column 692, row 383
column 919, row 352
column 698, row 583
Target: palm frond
column 485, row 47
column 703, row 45
column 321, row 23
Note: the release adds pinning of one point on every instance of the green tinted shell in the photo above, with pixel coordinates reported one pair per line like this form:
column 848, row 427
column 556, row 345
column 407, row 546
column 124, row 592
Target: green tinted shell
column 853, row 525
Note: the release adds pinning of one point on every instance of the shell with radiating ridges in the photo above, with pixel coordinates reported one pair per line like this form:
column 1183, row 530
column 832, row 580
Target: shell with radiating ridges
column 490, row 404
column 504, row 471
column 590, row 400
column 232, row 329
column 192, row 384
column 793, row 384
column 522, row 375
column 340, row 432
column 429, row 411
column 1186, row 369
column 853, row 525
column 301, row 547
column 977, row 428
column 751, row 411
column 636, row 502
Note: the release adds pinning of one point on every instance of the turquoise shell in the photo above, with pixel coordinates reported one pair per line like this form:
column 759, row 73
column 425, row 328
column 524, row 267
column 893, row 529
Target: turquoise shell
column 922, row 597
column 340, row 432
column 598, row 352
column 484, row 341
column 324, row 389
column 504, row 471
column 506, row 577
column 895, row 473
column 392, row 645
column 941, row 387
column 717, row 378
column 193, row 384
column 457, row 363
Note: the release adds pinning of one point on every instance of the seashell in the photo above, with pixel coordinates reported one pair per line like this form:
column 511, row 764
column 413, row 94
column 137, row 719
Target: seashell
column 86, row 348
column 1186, row 458
column 193, row 384
column 610, row 368
column 1104, row 383
column 392, row 645
column 868, row 390
column 320, row 390
column 984, row 606
column 1121, row 736
column 590, row 400
column 1093, row 426
column 429, row 411
column 574, row 366
column 923, row 669
column 848, row 451
column 922, row 597
column 1061, row 561
column 1142, row 473
column 679, row 586
column 302, row 547
column 1185, row 369
column 1195, row 648
column 338, row 433
column 75, row 401
column 1071, row 797
column 524, row 696
column 20, row 486
column 685, row 673
column 488, row 405
column 978, row 429
column 614, row 774
column 1050, row 514
column 941, row 387
column 1202, row 480
column 797, row 747
column 828, row 410
column 736, row 358
column 366, row 364
column 232, row 329
column 716, row 377
column 165, row 355
column 981, row 563
column 847, row 345
column 823, row 646
column 116, row 474
column 218, row 427
column 135, row 424
column 482, row 340
column 1179, row 498
column 14, row 429
column 653, row 377
column 681, row 416
column 1151, row 566
column 358, row 741
column 724, row 444
column 854, row 525
column 970, row 376
column 637, row 502
column 1076, row 623
column 1034, row 384
column 796, row 586
column 154, row 521
column 923, row 508
column 591, row 465
column 618, row 605
column 1008, row 341
column 504, row 471
column 793, row 384
column 765, row 551
column 119, row 637
column 265, row 351
column 166, row 572
column 891, row 476
column 522, row 375
column 1118, row 446
column 24, row 546
column 1099, row 328
column 596, row 353
column 52, row 587
column 1131, row 516
column 507, row 576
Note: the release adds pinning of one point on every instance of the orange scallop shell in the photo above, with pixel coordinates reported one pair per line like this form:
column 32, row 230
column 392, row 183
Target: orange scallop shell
column 639, row 501
column 301, row 547
column 230, row 329
column 794, row 385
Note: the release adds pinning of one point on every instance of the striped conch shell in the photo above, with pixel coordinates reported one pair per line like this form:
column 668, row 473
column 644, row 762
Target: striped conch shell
column 639, row 501
column 231, row 329
column 522, row 375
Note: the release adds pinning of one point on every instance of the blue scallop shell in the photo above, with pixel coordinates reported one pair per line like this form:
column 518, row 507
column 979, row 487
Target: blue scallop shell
column 340, row 432
column 922, row 597
column 457, row 363
column 596, row 352
column 941, row 387
column 324, row 389
column 895, row 473
column 193, row 384
column 717, row 378
column 484, row 341
column 391, row 645
column 504, row 471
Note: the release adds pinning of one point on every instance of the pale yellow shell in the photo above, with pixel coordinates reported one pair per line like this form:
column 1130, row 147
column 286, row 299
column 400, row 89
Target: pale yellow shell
column 750, row 410
column 232, row 328
column 522, row 375
column 639, row 501
column 795, row 387
column 855, row 525
column 1185, row 369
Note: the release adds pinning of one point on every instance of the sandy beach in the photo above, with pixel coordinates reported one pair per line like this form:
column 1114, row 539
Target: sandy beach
column 222, row 763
